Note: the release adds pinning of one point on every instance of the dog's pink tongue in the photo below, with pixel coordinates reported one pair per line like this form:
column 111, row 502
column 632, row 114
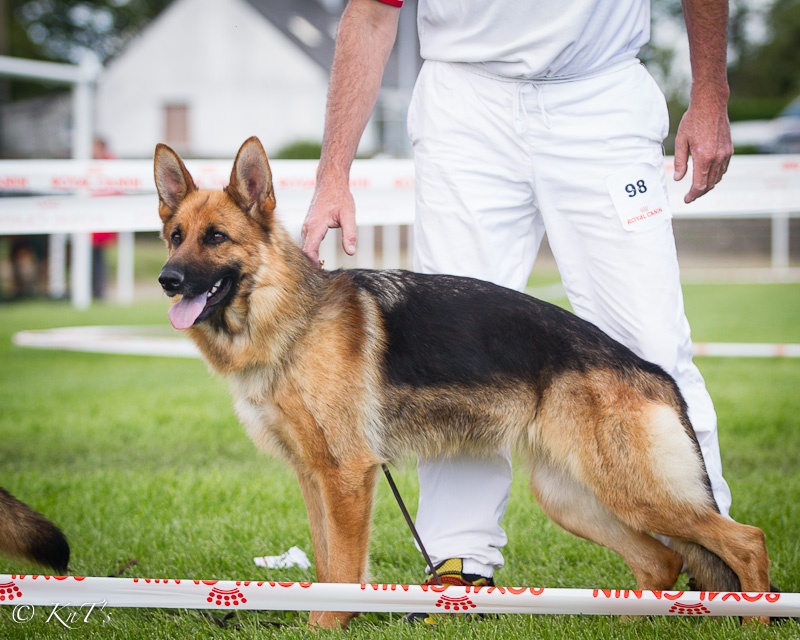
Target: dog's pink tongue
column 183, row 313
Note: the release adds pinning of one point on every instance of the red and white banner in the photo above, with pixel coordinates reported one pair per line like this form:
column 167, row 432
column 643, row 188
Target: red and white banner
column 27, row 591
column 763, row 184
column 118, row 177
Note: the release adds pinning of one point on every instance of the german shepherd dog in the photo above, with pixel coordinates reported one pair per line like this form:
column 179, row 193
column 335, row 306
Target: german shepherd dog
column 25, row 533
column 339, row 372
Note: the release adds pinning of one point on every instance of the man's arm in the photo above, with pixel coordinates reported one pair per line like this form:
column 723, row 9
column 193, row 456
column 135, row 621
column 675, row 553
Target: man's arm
column 367, row 32
column 704, row 131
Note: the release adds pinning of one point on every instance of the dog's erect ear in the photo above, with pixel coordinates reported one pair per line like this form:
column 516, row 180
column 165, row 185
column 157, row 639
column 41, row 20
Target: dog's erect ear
column 251, row 182
column 173, row 181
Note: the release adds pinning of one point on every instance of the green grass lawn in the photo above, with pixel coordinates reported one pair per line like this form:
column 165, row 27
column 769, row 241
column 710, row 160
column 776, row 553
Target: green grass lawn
column 142, row 457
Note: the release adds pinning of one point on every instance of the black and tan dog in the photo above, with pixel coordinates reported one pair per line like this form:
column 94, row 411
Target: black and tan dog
column 338, row 372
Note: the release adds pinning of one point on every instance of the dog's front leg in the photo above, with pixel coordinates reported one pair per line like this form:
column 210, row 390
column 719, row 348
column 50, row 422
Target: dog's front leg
column 344, row 500
column 315, row 508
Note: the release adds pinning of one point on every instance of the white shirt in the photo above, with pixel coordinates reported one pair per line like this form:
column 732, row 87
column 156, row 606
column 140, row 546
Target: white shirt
column 534, row 39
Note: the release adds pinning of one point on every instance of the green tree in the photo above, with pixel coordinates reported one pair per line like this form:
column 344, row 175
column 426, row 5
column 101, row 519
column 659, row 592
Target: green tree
column 771, row 69
column 63, row 30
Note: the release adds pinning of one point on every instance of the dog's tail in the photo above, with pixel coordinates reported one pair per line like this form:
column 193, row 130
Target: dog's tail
column 28, row 534
column 707, row 570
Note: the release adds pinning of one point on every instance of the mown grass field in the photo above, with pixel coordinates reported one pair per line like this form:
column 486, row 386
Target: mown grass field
column 141, row 457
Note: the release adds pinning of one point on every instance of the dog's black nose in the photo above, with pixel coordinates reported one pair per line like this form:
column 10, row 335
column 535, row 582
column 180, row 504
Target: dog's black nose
column 171, row 279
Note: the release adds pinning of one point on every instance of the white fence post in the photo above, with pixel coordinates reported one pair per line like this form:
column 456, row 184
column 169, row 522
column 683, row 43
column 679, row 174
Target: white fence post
column 80, row 274
column 56, row 261
column 365, row 256
column 391, row 247
column 82, row 78
column 780, row 240
column 125, row 284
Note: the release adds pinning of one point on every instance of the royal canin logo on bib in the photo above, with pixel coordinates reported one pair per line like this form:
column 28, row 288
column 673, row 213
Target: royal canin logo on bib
column 646, row 215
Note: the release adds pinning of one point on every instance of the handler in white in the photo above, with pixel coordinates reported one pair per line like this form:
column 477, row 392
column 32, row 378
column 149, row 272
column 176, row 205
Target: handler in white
column 530, row 117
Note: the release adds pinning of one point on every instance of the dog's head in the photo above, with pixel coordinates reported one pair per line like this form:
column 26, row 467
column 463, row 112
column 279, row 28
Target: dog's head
column 214, row 237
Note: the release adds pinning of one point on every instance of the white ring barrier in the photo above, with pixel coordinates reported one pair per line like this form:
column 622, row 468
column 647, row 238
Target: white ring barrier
column 29, row 590
column 746, row 350
column 157, row 340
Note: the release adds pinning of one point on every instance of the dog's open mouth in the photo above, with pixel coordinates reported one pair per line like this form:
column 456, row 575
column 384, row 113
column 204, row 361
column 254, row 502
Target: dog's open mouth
column 188, row 311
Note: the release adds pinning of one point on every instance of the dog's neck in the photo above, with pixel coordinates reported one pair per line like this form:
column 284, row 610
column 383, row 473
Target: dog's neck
column 277, row 306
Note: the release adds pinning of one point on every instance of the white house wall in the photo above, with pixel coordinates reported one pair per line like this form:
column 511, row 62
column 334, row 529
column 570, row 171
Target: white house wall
column 238, row 74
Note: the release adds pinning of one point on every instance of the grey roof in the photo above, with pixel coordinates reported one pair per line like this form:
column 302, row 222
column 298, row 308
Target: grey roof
column 284, row 15
column 312, row 27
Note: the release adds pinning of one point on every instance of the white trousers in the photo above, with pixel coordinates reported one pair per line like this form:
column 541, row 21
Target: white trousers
column 498, row 164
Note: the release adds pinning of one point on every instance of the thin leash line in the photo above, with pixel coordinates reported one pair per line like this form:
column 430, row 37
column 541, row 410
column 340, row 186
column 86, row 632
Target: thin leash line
column 410, row 523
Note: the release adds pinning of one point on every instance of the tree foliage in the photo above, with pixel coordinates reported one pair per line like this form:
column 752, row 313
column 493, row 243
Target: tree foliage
column 762, row 65
column 771, row 69
column 763, row 55
column 64, row 30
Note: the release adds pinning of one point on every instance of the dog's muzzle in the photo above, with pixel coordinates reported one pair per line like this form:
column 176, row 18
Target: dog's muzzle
column 171, row 280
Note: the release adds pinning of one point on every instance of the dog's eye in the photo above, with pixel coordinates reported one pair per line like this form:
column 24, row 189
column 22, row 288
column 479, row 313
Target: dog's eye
column 216, row 237
column 175, row 237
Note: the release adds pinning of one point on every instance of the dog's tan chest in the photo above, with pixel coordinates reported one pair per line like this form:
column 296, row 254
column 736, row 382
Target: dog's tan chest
column 255, row 407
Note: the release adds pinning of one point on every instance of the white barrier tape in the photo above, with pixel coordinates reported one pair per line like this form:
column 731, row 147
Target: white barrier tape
column 133, row 341
column 383, row 192
column 142, row 341
column 27, row 590
column 746, row 350
column 133, row 176
column 136, row 176
column 754, row 185
column 78, row 213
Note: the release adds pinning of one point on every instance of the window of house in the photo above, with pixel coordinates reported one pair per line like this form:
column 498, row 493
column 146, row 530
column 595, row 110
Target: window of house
column 176, row 126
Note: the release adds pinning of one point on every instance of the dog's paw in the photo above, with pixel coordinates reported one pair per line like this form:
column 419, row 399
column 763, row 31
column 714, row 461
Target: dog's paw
column 330, row 619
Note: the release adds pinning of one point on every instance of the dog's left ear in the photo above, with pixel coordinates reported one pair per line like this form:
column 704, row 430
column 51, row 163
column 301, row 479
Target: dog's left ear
column 251, row 182
column 173, row 181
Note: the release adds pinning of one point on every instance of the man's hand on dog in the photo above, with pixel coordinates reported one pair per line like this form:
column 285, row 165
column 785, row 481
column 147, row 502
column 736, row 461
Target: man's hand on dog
column 332, row 207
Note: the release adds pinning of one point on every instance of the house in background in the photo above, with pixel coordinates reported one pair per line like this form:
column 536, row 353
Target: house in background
column 204, row 76
column 207, row 74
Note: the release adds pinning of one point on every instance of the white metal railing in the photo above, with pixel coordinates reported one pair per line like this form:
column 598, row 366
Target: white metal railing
column 119, row 195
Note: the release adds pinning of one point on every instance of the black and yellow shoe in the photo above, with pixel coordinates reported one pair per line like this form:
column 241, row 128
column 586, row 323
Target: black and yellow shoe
column 450, row 572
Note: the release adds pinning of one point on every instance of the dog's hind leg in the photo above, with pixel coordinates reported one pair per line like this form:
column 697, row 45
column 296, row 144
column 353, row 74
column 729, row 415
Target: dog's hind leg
column 723, row 555
column 574, row 507
column 741, row 548
column 649, row 472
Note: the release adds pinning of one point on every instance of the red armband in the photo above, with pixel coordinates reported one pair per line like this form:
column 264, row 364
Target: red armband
column 394, row 3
